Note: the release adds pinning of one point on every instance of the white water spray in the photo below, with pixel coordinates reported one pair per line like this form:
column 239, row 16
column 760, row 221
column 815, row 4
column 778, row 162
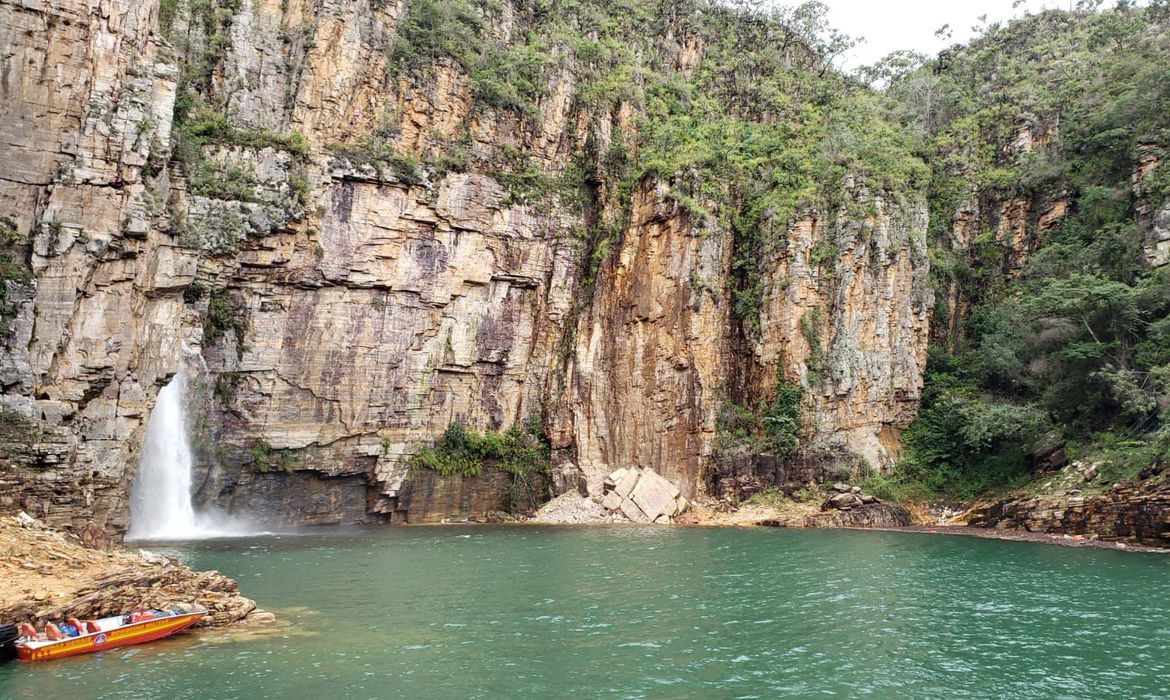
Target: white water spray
column 160, row 502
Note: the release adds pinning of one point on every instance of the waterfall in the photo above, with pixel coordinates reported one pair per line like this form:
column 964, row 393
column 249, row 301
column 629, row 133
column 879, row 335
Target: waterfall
column 160, row 501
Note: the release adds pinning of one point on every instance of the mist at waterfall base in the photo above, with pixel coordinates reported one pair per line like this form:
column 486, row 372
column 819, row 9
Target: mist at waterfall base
column 160, row 500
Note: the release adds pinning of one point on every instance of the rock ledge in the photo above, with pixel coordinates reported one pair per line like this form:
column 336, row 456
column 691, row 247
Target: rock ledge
column 49, row 575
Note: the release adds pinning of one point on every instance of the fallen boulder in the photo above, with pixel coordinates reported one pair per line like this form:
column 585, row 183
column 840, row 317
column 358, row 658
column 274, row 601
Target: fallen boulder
column 642, row 496
column 843, row 501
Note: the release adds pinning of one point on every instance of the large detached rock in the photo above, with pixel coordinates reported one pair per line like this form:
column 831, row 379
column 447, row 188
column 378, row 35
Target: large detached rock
column 642, row 496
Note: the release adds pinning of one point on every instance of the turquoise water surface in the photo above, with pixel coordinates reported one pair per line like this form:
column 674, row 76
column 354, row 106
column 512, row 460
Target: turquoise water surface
column 654, row 612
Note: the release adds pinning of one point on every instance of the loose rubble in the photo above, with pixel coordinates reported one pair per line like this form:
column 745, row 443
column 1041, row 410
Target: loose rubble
column 628, row 495
column 572, row 509
column 49, row 575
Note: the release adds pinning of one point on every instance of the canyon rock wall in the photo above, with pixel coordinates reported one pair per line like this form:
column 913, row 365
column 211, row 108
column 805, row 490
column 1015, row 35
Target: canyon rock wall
column 343, row 291
column 847, row 315
column 648, row 357
column 95, row 324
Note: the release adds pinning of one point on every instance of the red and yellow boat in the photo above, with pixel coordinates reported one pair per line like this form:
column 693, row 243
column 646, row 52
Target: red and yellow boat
column 110, row 633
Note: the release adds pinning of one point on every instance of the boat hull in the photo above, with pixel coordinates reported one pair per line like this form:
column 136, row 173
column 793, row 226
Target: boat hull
column 127, row 635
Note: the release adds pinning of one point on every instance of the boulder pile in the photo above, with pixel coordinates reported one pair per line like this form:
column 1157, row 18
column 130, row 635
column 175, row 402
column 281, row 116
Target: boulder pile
column 571, row 508
column 847, row 497
column 642, row 496
column 849, row 507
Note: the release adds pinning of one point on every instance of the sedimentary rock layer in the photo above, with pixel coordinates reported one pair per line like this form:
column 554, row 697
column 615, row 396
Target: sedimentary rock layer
column 338, row 314
column 1130, row 512
column 49, row 576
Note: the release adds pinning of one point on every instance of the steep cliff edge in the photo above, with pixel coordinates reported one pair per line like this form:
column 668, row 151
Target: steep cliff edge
column 93, row 313
column 359, row 223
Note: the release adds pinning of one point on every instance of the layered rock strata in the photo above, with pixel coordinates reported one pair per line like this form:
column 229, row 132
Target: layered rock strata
column 1127, row 512
column 341, row 306
column 871, row 515
column 85, row 104
column 49, row 576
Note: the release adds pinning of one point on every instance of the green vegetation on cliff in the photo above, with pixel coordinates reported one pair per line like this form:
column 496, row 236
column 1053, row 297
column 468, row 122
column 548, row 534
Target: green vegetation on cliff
column 1038, row 145
column 755, row 139
column 522, row 450
column 770, row 427
column 1050, row 315
column 13, row 268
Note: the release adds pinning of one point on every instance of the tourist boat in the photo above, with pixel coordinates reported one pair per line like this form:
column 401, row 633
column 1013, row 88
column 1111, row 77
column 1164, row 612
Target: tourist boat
column 110, row 633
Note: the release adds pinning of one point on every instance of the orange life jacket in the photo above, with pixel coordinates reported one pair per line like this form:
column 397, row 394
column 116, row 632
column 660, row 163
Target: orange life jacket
column 140, row 616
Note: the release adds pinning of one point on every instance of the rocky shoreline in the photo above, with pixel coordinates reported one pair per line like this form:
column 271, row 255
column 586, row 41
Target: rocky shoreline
column 50, row 575
column 1128, row 517
column 1138, row 512
column 876, row 518
column 1059, row 539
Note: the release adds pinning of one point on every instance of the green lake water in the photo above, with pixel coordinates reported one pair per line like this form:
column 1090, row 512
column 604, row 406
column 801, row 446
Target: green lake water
column 631, row 612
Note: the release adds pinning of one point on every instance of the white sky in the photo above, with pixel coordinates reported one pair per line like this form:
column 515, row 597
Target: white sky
column 891, row 25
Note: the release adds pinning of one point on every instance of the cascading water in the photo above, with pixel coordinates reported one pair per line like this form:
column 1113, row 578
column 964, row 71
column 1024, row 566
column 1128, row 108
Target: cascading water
column 160, row 501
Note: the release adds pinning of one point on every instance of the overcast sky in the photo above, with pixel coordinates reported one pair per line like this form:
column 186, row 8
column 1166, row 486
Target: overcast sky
column 890, row 25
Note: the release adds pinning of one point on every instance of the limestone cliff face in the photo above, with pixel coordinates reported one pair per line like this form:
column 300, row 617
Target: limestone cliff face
column 85, row 99
column 648, row 357
column 340, row 309
column 853, row 326
column 654, row 359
